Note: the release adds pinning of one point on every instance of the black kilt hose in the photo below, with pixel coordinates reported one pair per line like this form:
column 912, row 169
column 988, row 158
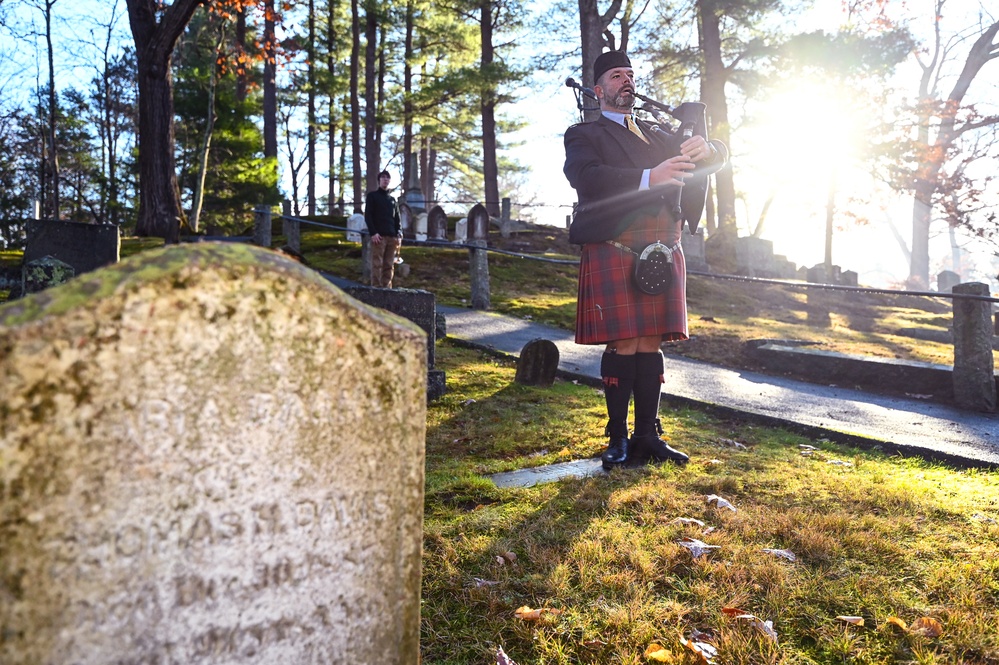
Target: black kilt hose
column 610, row 307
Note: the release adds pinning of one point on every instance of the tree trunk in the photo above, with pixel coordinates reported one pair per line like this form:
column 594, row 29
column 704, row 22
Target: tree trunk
column 355, row 104
column 311, row 105
column 270, row 82
column 371, row 147
column 53, row 113
column 592, row 25
column 331, row 130
column 713, row 94
column 159, row 197
column 490, row 170
column 935, row 154
column 198, row 198
column 407, row 98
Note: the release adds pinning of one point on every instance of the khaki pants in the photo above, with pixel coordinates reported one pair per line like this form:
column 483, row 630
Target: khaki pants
column 383, row 261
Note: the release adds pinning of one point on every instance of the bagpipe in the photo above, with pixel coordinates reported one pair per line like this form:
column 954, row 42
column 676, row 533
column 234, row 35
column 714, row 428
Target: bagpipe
column 691, row 120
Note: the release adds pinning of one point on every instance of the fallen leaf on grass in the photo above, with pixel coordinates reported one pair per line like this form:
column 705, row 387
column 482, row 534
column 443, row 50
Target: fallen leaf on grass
column 502, row 658
column 510, row 556
column 696, row 547
column 732, row 611
column 839, row 462
column 713, row 462
column 927, row 627
column 479, row 582
column 720, row 502
column 527, row 614
column 855, row 621
column 895, row 621
column 462, row 439
column 657, row 652
column 733, row 444
column 705, row 651
column 765, row 627
column 687, row 521
column 807, row 453
column 593, row 644
column 784, row 554
column 500, row 561
column 805, row 446
column 468, row 401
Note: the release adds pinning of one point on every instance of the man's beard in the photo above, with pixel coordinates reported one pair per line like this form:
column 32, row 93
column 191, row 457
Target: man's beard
column 625, row 100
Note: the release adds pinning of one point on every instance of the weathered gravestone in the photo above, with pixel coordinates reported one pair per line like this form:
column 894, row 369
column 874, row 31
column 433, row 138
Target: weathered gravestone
column 356, row 226
column 86, row 247
column 437, row 223
column 478, row 259
column 461, row 230
column 538, row 363
column 420, row 227
column 946, row 280
column 754, row 257
column 406, row 220
column 201, row 463
column 693, row 250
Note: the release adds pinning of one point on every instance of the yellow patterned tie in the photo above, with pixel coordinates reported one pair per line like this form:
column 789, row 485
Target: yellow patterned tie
column 629, row 122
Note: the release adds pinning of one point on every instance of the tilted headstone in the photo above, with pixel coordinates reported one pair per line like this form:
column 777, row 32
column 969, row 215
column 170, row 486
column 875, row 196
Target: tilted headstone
column 693, row 250
column 974, row 367
column 420, row 227
column 86, row 247
column 537, row 363
column 817, row 275
column 406, row 220
column 355, row 227
column 437, row 224
column 754, row 257
column 200, row 466
column 784, row 268
column 946, row 280
column 478, row 222
column 43, row 273
column 461, row 230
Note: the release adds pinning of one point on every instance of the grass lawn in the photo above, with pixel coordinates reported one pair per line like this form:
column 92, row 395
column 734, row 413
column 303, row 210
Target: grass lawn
column 888, row 540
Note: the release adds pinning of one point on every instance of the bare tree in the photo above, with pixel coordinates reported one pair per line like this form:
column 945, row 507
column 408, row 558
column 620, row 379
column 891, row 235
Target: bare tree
column 952, row 119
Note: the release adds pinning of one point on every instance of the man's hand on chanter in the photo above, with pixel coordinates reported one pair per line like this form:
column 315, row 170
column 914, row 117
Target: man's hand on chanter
column 672, row 171
column 696, row 148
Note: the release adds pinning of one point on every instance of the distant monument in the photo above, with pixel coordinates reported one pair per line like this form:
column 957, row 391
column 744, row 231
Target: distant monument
column 413, row 194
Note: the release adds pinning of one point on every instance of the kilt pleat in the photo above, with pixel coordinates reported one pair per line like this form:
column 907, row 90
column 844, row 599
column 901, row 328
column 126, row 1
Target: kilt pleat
column 611, row 308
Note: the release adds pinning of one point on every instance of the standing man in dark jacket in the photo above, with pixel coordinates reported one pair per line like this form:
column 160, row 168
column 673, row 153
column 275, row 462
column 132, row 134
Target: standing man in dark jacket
column 627, row 174
column 381, row 214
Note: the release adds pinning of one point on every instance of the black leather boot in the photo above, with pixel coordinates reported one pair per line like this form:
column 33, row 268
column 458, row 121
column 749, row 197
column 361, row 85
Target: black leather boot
column 647, row 447
column 646, row 444
column 618, row 373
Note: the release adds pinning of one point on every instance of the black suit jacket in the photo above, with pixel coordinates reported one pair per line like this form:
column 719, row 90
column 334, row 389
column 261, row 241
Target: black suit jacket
column 604, row 164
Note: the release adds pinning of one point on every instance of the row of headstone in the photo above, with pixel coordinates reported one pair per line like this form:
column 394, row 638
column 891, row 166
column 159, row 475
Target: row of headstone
column 818, row 274
column 432, row 225
column 755, row 258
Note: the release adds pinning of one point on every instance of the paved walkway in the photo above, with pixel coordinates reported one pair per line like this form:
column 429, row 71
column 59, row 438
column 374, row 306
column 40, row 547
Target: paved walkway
column 912, row 427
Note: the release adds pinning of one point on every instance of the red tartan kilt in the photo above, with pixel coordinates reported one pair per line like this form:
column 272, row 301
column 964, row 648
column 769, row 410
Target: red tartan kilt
column 610, row 308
